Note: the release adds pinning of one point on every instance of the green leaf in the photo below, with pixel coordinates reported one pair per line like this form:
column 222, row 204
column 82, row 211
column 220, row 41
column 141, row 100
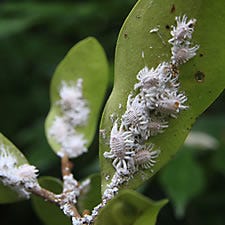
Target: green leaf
column 182, row 179
column 127, row 208
column 135, row 37
column 48, row 213
column 7, row 195
column 85, row 60
column 92, row 197
column 150, row 215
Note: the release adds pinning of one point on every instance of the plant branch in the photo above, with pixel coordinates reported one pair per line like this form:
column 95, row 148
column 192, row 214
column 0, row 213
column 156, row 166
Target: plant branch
column 69, row 184
column 46, row 195
column 66, row 166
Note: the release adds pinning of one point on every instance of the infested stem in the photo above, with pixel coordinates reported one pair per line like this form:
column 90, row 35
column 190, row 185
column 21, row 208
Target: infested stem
column 56, row 199
column 61, row 200
column 46, row 195
column 75, row 211
column 66, row 166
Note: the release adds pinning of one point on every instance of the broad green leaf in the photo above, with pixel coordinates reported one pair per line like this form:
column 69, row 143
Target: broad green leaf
column 128, row 207
column 150, row 215
column 7, row 195
column 182, row 179
column 91, row 198
column 85, row 60
column 202, row 78
column 48, row 213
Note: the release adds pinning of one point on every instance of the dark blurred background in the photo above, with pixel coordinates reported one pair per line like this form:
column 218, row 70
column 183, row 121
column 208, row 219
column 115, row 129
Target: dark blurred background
column 34, row 36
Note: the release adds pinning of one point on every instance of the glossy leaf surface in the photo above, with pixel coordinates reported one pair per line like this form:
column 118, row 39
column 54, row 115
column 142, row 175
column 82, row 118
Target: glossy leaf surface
column 85, row 60
column 128, row 207
column 202, row 78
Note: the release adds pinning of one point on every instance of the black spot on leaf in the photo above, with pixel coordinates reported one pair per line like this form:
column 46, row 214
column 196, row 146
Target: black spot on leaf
column 173, row 9
column 199, row 76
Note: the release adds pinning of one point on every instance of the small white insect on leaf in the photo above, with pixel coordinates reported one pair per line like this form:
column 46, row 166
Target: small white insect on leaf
column 183, row 30
column 170, row 103
column 157, row 125
column 148, row 78
column 181, row 54
column 145, row 157
column 136, row 117
column 182, row 51
column 121, row 145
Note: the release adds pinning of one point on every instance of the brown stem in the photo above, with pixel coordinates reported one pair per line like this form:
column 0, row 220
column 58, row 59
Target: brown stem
column 53, row 198
column 75, row 211
column 46, row 195
column 59, row 198
column 66, row 166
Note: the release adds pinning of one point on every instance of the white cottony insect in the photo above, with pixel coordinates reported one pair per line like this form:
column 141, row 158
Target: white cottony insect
column 183, row 30
column 148, row 78
column 136, row 117
column 70, row 94
column 73, row 146
column 74, row 113
column 27, row 173
column 155, row 82
column 181, row 36
column 181, row 54
column 60, row 129
column 18, row 177
column 120, row 140
column 145, row 158
column 157, row 126
column 72, row 103
column 170, row 103
column 121, row 145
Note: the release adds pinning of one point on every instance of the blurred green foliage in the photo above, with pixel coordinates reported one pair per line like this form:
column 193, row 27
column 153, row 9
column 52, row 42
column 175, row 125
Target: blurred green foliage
column 130, row 207
column 34, row 37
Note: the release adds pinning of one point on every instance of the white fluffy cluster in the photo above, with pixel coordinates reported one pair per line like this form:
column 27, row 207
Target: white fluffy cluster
column 109, row 193
column 75, row 112
column 157, row 98
column 71, row 191
column 20, row 178
column 182, row 49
